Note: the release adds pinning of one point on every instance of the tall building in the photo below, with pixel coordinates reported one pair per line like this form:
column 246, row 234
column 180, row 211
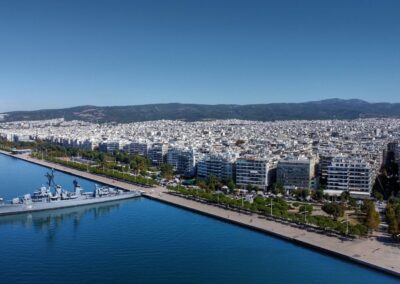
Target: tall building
column 136, row 148
column 392, row 156
column 295, row 173
column 158, row 153
column 394, row 148
column 253, row 171
column 325, row 159
column 109, row 147
column 220, row 166
column 350, row 174
column 182, row 160
column 85, row 144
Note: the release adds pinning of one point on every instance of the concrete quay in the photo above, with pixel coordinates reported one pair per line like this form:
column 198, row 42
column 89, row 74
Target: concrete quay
column 376, row 252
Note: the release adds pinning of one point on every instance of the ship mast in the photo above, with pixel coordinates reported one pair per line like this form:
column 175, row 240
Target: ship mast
column 50, row 178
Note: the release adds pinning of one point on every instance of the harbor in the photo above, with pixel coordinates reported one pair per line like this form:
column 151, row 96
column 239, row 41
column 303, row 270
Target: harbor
column 370, row 252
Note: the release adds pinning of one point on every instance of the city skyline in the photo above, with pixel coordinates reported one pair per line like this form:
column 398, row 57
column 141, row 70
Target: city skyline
column 63, row 54
column 196, row 141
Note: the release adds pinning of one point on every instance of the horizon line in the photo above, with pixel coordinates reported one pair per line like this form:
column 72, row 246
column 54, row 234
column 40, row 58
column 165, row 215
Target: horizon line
column 206, row 104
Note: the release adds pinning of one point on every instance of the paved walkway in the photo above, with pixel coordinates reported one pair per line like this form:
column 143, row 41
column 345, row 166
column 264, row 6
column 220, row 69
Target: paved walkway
column 377, row 251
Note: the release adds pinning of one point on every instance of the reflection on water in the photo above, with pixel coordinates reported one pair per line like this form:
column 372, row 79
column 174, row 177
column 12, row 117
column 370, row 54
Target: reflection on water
column 51, row 221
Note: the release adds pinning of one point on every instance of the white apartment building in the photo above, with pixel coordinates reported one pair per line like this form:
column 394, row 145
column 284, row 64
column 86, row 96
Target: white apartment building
column 253, row 171
column 216, row 165
column 350, row 174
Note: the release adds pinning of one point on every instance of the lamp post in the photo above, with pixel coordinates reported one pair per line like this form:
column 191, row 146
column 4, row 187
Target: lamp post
column 271, row 206
column 347, row 223
column 305, row 215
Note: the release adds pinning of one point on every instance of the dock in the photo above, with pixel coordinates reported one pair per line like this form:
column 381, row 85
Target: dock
column 382, row 255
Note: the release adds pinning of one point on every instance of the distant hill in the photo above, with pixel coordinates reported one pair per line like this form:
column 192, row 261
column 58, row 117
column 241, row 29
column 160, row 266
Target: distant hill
column 325, row 109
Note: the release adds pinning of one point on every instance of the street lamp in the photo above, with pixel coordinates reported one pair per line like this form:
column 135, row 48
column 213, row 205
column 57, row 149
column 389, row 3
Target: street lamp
column 347, row 223
column 305, row 215
column 271, row 206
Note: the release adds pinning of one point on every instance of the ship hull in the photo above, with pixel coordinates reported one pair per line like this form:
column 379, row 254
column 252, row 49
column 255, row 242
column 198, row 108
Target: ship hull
column 12, row 209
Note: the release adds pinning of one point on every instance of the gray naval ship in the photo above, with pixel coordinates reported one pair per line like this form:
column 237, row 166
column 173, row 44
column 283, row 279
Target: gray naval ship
column 53, row 196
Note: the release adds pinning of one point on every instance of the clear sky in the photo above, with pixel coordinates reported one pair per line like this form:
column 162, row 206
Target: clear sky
column 67, row 53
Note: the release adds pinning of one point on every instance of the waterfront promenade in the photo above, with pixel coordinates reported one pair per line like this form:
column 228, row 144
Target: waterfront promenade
column 376, row 252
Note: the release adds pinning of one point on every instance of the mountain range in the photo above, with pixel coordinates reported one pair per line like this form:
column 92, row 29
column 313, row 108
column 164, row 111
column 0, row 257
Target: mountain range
column 325, row 109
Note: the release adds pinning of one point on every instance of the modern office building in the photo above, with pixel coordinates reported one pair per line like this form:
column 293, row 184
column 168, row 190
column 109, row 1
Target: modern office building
column 392, row 156
column 109, row 146
column 183, row 161
column 350, row 174
column 157, row 153
column 252, row 171
column 295, row 173
column 393, row 151
column 136, row 148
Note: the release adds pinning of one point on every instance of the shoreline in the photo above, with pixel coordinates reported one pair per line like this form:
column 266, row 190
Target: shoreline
column 296, row 241
column 367, row 252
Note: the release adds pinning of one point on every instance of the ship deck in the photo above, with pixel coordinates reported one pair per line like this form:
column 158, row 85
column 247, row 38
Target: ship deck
column 11, row 209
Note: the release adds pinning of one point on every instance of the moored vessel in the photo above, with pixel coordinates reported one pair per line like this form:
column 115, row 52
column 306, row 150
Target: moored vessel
column 52, row 196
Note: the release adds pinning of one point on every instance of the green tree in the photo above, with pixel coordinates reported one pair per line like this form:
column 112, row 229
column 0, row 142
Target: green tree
column 318, row 194
column 301, row 193
column 352, row 202
column 393, row 217
column 278, row 188
column 250, row 187
column 139, row 164
column 344, row 197
column 372, row 220
column 378, row 195
column 231, row 185
column 167, row 171
column 334, row 209
column 392, row 220
column 213, row 183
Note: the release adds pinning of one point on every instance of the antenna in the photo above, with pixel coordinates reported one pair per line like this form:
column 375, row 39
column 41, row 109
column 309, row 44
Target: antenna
column 50, row 178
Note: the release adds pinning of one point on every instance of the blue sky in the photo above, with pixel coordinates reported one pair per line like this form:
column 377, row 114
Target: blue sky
column 65, row 53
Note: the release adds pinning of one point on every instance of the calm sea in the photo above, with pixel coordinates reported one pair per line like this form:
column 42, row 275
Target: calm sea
column 143, row 241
